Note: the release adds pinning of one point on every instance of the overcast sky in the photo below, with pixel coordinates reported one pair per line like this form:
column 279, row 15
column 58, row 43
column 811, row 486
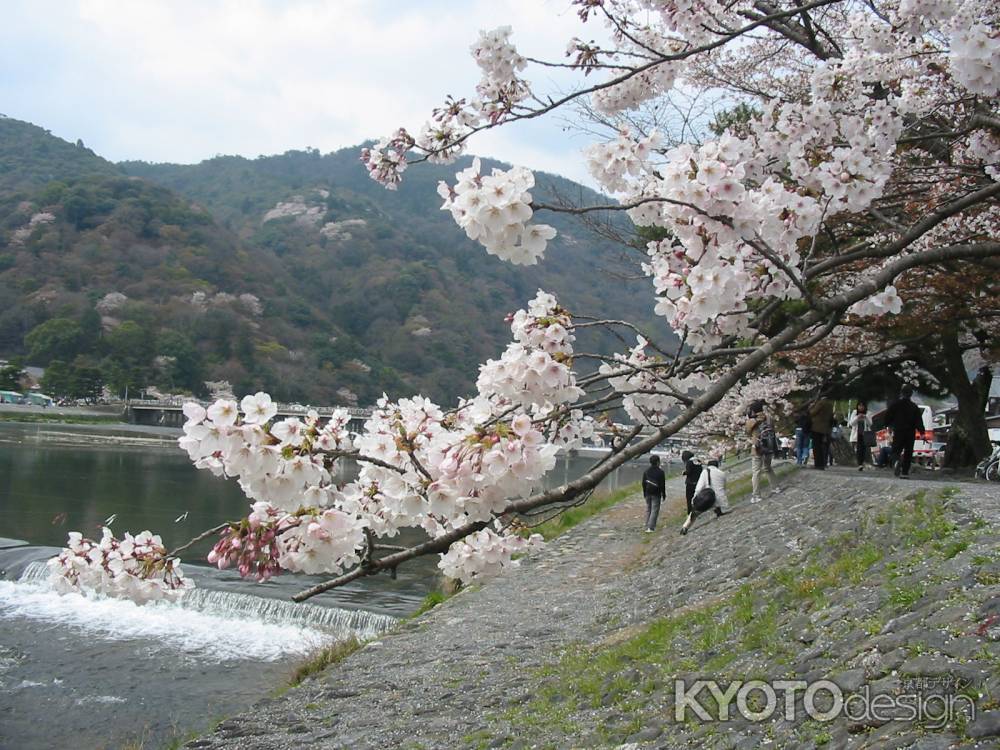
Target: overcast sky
column 184, row 80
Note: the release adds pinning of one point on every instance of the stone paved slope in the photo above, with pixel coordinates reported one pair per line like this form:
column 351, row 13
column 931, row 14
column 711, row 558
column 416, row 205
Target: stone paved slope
column 854, row 576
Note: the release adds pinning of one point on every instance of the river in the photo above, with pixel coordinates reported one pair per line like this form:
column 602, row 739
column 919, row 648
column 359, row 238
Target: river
column 96, row 673
column 100, row 673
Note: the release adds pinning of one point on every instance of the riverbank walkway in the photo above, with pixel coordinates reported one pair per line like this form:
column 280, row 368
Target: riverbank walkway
column 517, row 663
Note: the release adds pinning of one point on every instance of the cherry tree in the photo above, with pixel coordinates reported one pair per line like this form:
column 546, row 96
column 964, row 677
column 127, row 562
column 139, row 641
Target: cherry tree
column 943, row 341
column 866, row 148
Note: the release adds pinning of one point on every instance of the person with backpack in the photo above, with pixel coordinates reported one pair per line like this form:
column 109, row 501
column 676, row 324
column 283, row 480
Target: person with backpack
column 692, row 470
column 710, row 494
column 764, row 444
column 654, row 489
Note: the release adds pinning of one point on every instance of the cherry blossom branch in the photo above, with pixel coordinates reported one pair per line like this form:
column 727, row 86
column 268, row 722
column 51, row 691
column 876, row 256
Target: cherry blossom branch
column 914, row 233
column 561, row 102
column 625, row 324
column 203, row 535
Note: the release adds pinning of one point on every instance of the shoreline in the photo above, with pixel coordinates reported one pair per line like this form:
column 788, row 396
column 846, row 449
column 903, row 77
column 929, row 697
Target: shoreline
column 55, row 432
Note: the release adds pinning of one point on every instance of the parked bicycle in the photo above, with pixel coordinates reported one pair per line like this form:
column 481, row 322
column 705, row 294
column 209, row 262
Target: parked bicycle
column 989, row 467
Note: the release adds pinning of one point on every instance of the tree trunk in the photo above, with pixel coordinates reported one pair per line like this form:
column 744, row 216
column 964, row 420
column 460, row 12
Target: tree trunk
column 968, row 440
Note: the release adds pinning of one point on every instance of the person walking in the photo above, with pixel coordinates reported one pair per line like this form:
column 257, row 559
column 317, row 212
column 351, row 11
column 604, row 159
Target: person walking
column 762, row 440
column 821, row 421
column 714, row 478
column 654, row 488
column 802, row 440
column 860, row 424
column 836, row 435
column 692, row 470
column 905, row 418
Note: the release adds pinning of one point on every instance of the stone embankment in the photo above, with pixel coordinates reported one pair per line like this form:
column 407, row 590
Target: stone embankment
column 886, row 588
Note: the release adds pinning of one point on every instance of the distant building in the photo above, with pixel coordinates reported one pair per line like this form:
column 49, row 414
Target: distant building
column 946, row 416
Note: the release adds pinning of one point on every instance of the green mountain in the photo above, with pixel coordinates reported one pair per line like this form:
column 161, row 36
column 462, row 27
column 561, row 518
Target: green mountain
column 292, row 273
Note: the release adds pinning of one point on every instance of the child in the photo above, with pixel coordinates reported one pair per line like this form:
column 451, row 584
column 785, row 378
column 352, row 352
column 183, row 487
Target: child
column 714, row 477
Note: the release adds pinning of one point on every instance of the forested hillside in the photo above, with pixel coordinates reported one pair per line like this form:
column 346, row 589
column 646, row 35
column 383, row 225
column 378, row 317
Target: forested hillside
column 292, row 273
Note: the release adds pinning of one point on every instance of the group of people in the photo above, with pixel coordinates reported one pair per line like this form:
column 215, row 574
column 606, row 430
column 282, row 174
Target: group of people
column 705, row 485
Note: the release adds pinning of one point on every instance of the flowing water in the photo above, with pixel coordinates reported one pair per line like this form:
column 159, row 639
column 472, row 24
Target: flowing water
column 99, row 673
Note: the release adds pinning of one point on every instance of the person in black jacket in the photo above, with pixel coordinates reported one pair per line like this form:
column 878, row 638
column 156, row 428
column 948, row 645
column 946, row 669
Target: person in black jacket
column 654, row 488
column 905, row 418
column 692, row 472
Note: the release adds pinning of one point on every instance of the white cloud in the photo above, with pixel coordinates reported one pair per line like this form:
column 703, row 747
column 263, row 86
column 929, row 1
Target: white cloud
column 183, row 80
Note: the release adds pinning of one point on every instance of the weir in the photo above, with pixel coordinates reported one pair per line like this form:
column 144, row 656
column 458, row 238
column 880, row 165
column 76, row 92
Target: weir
column 203, row 609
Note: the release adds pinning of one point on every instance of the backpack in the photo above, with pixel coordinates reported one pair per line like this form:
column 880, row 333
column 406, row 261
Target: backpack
column 767, row 441
column 705, row 497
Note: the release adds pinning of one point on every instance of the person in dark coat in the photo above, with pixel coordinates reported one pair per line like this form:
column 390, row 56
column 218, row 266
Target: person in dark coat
column 692, row 472
column 904, row 418
column 654, row 489
column 821, row 421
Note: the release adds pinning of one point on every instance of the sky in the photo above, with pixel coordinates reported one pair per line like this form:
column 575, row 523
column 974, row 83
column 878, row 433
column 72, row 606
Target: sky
column 185, row 80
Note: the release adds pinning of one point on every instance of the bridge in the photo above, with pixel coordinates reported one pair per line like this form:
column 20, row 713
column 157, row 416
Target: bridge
column 168, row 412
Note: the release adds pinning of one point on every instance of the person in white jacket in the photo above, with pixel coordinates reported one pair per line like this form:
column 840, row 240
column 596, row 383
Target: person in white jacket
column 714, row 477
column 860, row 423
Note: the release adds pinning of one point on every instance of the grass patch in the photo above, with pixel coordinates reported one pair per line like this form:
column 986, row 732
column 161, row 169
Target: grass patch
column 732, row 636
column 575, row 515
column 925, row 522
column 904, row 597
column 430, row 601
column 323, row 659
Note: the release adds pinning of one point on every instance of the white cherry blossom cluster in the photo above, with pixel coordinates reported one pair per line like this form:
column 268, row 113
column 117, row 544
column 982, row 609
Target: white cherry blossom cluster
column 885, row 302
column 637, row 89
column 648, row 398
column 274, row 463
column 975, row 57
column 571, row 430
column 611, row 163
column 726, row 421
column 534, row 369
column 485, row 553
column 844, row 153
column 135, row 567
column 691, row 20
column 650, row 80
column 324, row 541
column 418, row 467
column 500, row 63
column 386, row 160
column 982, row 148
column 495, row 210
column 442, row 141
